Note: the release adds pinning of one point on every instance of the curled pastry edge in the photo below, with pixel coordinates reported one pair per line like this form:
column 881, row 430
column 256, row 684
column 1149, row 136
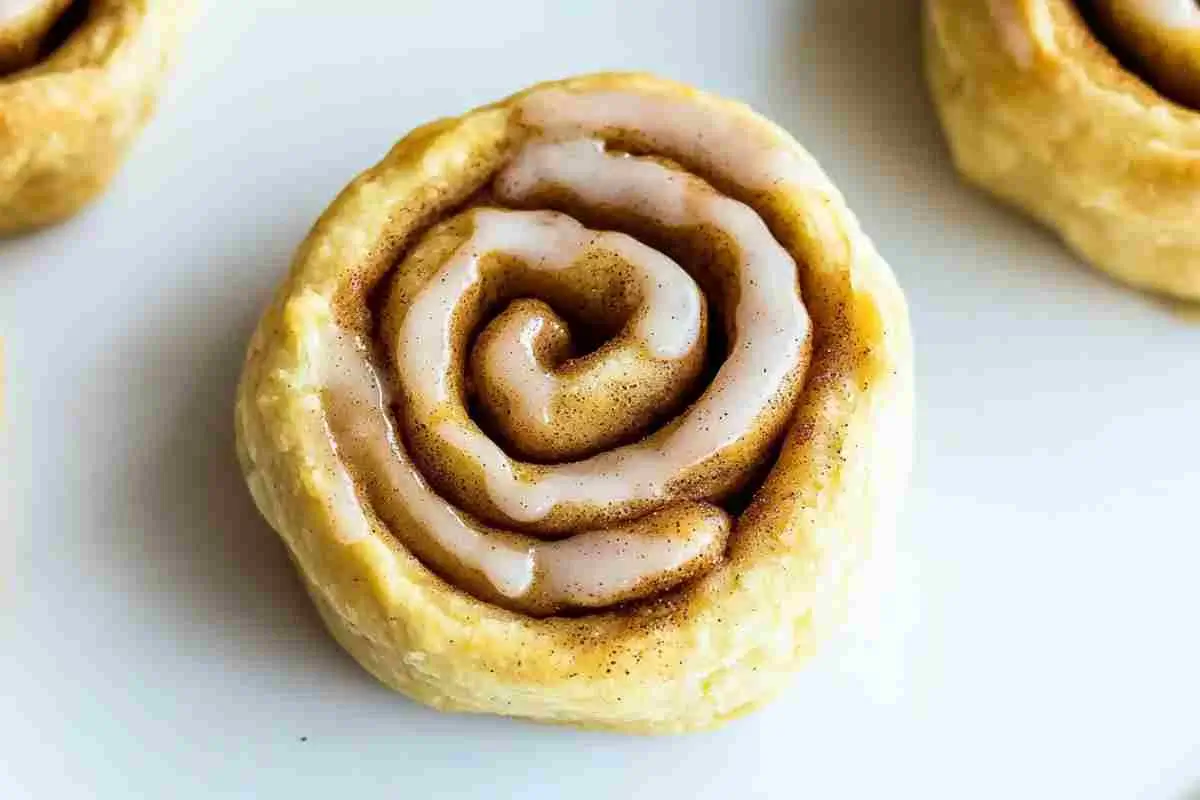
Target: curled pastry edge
column 674, row 668
column 1069, row 136
column 70, row 118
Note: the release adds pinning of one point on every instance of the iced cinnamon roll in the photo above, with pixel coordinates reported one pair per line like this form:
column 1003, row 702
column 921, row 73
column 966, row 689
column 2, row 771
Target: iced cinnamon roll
column 1085, row 114
column 78, row 81
column 583, row 407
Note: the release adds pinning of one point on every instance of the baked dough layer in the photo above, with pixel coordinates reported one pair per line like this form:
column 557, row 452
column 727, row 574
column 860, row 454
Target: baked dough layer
column 1038, row 112
column 24, row 26
column 727, row 641
column 67, row 121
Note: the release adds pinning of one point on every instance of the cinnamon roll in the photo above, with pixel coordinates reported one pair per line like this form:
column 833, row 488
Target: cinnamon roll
column 1086, row 114
column 583, row 407
column 78, row 81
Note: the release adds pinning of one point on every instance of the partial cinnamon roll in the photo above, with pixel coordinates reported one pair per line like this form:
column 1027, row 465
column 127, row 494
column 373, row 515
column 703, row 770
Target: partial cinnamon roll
column 583, row 407
column 78, row 81
column 1086, row 114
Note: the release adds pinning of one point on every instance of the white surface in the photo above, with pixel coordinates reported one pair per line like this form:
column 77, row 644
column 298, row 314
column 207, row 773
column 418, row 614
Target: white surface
column 1042, row 638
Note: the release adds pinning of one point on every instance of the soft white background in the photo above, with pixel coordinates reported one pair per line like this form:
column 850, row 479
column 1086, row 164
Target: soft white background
column 1041, row 638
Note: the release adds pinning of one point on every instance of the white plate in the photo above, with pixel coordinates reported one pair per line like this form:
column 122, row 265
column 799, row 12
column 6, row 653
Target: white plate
column 1041, row 639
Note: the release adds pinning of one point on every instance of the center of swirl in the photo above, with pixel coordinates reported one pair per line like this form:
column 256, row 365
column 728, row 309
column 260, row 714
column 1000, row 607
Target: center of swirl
column 604, row 479
column 704, row 453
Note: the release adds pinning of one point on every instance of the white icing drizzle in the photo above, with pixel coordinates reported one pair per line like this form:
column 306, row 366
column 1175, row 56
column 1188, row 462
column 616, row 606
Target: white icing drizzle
column 513, row 364
column 592, row 566
column 710, row 138
column 1168, row 13
column 546, row 241
column 771, row 327
column 349, row 376
column 595, row 568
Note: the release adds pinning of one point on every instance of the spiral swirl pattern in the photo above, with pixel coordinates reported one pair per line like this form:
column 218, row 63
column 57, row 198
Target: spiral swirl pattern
column 542, row 475
column 585, row 406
